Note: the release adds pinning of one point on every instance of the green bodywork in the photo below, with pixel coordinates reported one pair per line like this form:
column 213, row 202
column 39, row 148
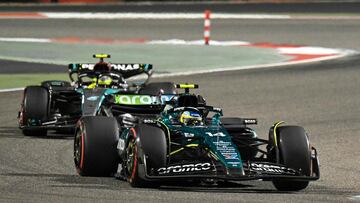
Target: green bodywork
column 214, row 137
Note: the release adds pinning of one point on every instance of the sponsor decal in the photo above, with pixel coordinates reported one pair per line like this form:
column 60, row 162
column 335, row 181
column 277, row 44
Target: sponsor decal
column 125, row 67
column 230, row 155
column 184, row 168
column 222, row 143
column 250, row 121
column 234, row 163
column 92, row 98
column 121, row 144
column 219, row 134
column 166, row 98
column 135, row 99
column 224, row 147
column 87, row 66
column 194, row 114
column 119, row 67
column 188, row 134
column 269, row 168
column 150, row 121
column 227, row 150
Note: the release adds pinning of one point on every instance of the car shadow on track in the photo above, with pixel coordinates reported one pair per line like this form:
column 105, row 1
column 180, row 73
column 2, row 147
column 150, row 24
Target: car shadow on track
column 110, row 183
column 10, row 132
column 72, row 181
column 223, row 187
column 15, row 132
column 261, row 187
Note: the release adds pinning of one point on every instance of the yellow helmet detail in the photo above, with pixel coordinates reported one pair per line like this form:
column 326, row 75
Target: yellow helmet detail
column 190, row 118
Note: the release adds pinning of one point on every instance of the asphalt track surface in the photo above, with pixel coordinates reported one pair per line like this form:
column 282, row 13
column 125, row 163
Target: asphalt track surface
column 322, row 97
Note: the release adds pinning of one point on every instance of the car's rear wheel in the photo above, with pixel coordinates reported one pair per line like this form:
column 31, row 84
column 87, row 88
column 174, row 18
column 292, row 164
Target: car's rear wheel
column 144, row 141
column 95, row 152
column 34, row 110
column 294, row 151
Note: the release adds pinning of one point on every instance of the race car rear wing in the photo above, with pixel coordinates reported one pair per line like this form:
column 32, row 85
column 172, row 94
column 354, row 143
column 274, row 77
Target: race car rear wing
column 125, row 69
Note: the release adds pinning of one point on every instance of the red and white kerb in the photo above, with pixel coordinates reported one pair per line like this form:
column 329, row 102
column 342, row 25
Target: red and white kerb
column 207, row 27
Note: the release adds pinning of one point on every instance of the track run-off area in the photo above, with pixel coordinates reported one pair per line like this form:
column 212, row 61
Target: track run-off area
column 322, row 96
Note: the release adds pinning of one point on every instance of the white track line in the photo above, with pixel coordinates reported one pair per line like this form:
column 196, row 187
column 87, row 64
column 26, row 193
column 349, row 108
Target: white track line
column 11, row 89
column 285, row 50
column 39, row 40
column 198, row 42
column 309, row 50
column 355, row 198
column 226, row 69
column 134, row 15
column 89, row 15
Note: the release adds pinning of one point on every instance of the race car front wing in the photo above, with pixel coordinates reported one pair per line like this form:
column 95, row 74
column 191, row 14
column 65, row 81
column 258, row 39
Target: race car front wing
column 251, row 170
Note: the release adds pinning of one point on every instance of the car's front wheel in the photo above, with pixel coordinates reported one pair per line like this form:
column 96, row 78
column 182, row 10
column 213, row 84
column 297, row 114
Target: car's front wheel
column 294, row 152
column 145, row 151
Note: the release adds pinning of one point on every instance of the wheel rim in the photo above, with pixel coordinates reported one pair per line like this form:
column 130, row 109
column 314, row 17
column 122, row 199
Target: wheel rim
column 21, row 116
column 79, row 149
column 131, row 160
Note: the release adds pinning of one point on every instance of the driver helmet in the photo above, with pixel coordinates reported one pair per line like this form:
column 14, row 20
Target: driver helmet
column 104, row 81
column 191, row 118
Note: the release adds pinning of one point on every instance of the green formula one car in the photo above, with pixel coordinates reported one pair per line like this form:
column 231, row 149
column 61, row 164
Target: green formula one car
column 185, row 139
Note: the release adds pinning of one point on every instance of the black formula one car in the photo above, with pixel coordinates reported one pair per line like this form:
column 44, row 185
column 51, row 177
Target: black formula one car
column 57, row 105
column 181, row 138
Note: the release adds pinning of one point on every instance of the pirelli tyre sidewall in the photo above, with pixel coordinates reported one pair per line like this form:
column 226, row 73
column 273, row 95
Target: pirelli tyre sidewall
column 294, row 151
column 155, row 87
column 95, row 152
column 34, row 108
column 145, row 151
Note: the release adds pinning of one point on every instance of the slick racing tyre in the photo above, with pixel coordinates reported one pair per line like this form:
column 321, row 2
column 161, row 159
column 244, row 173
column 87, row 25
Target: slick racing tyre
column 155, row 87
column 144, row 141
column 95, row 152
column 294, row 153
column 34, row 110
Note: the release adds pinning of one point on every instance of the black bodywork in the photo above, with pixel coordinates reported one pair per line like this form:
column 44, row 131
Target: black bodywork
column 68, row 101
